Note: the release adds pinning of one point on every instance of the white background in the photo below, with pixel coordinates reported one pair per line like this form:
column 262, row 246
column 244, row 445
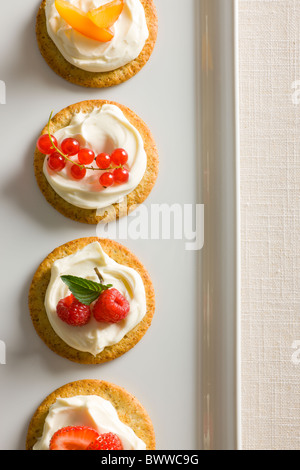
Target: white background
column 161, row 370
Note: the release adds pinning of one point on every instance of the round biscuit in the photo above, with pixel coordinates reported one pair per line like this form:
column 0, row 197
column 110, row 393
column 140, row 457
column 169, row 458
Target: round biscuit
column 40, row 319
column 73, row 74
column 115, row 211
column 129, row 409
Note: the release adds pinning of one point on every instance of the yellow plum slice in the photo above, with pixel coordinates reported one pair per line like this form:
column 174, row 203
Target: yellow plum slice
column 106, row 15
column 79, row 21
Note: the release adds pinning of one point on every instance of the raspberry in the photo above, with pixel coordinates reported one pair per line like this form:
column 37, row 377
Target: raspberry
column 111, row 307
column 73, row 438
column 73, row 312
column 107, row 441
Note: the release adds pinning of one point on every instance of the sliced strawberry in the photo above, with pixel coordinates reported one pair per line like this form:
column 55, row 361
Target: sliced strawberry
column 73, row 438
column 108, row 441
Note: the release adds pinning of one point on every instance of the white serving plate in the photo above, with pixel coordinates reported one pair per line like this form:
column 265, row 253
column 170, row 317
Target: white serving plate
column 186, row 369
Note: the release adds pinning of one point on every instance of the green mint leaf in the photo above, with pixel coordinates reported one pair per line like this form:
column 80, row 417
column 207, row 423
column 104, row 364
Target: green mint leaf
column 84, row 291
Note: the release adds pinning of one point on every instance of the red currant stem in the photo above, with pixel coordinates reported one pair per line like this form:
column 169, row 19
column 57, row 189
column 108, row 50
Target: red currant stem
column 56, row 148
column 65, row 156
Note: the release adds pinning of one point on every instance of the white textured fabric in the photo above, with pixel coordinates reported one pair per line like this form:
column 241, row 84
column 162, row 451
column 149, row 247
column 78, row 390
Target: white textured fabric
column 270, row 204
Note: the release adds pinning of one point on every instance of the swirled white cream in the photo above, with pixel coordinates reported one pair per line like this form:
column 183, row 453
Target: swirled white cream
column 87, row 410
column 95, row 336
column 130, row 35
column 103, row 130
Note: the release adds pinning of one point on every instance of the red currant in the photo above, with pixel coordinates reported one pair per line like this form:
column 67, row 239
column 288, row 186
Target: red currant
column 56, row 162
column 119, row 157
column 86, row 156
column 121, row 175
column 103, row 161
column 78, row 172
column 107, row 179
column 70, row 146
column 45, row 146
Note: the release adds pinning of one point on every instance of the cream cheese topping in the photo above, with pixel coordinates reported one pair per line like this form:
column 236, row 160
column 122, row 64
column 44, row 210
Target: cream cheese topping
column 87, row 410
column 130, row 35
column 95, row 336
column 103, row 130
